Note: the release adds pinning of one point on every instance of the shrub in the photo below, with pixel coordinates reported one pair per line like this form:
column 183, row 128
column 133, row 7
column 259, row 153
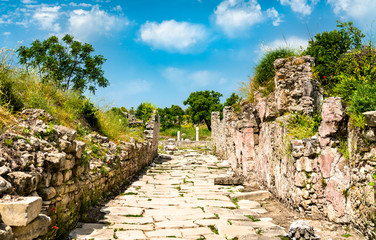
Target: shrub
column 89, row 112
column 263, row 78
column 145, row 111
column 303, row 126
column 328, row 47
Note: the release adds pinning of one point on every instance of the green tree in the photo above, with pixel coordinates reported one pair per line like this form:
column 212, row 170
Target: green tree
column 69, row 65
column 145, row 111
column 234, row 102
column 202, row 104
column 171, row 116
column 328, row 47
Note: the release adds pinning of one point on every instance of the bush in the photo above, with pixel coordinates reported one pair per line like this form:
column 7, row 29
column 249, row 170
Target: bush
column 145, row 111
column 303, row 126
column 264, row 71
column 328, row 47
column 89, row 112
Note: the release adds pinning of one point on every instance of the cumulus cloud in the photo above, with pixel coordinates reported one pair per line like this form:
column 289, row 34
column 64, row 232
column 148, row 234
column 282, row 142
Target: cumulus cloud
column 363, row 10
column 73, row 4
column 86, row 24
column 7, row 33
column 173, row 36
column 296, row 43
column 273, row 14
column 28, row 1
column 300, row 6
column 234, row 16
column 47, row 17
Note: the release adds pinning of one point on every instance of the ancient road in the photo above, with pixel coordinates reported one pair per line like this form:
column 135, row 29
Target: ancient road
column 177, row 198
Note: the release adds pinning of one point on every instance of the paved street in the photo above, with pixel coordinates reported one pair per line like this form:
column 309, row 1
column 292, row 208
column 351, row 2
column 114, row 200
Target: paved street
column 177, row 198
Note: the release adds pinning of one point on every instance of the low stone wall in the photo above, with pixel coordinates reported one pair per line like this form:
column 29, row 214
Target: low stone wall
column 189, row 144
column 70, row 175
column 328, row 175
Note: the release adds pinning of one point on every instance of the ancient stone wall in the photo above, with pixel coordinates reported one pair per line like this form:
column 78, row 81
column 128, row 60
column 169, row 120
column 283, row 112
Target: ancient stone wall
column 69, row 175
column 327, row 175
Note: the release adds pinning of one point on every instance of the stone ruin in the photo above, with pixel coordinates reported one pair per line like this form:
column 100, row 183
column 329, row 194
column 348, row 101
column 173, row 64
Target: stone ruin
column 327, row 175
column 55, row 176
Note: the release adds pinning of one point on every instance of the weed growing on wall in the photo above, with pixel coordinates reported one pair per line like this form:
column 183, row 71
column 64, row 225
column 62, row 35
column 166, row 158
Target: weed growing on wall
column 301, row 125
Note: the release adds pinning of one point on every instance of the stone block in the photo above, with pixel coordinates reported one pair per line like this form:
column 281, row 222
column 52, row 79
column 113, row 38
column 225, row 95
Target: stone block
column 23, row 182
column 80, row 147
column 57, row 179
column 228, row 181
column 47, row 193
column 36, row 228
column 370, row 118
column 252, row 196
column 300, row 179
column 5, row 186
column 57, row 160
column 5, row 232
column 19, row 211
column 65, row 133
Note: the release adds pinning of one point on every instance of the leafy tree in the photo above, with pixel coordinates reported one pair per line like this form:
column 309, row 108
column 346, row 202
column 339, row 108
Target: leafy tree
column 132, row 111
column 327, row 48
column 234, row 102
column 145, row 111
column 202, row 104
column 69, row 65
column 171, row 116
column 123, row 109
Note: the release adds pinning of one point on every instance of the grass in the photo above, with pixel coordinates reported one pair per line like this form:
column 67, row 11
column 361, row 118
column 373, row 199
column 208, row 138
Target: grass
column 20, row 90
column 252, row 218
column 213, row 229
column 302, row 126
column 186, row 132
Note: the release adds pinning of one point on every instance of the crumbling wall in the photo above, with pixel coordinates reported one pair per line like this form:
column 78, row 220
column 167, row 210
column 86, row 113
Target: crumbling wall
column 69, row 175
column 328, row 175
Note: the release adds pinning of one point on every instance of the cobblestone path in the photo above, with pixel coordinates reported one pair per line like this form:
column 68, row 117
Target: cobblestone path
column 177, row 198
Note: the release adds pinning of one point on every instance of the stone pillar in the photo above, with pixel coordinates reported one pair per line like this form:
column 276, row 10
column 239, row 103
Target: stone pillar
column 197, row 132
column 178, row 136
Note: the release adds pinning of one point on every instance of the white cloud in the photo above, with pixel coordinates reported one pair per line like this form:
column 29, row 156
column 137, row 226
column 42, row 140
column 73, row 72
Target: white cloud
column 273, row 14
column 363, row 10
column 95, row 22
column 173, row 36
column 235, row 16
column 73, row 4
column 291, row 42
column 7, row 33
column 300, row 6
column 28, row 1
column 137, row 86
column 47, row 17
column 118, row 8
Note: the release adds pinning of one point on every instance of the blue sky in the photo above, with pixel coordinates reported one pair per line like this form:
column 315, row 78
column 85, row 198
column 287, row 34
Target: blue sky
column 162, row 50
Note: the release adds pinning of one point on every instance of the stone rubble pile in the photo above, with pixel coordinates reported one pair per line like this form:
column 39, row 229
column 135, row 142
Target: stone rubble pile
column 22, row 218
column 38, row 158
column 302, row 230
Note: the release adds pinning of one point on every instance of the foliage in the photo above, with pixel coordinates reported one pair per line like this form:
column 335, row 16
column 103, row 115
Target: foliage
column 170, row 117
column 302, row 126
column 328, row 47
column 187, row 131
column 202, row 104
column 233, row 101
column 145, row 111
column 264, row 71
column 68, row 65
column 68, row 108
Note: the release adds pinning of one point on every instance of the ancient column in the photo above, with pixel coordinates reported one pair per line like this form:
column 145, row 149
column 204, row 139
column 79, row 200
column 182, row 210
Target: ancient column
column 178, row 136
column 197, row 131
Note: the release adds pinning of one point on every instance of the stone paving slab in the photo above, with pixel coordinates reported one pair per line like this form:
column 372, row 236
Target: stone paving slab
column 178, row 199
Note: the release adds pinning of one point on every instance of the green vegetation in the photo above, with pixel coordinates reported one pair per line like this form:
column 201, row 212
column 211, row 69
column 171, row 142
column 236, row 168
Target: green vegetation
column 202, row 104
column 145, row 111
column 302, row 126
column 252, row 218
column 66, row 65
column 233, row 101
column 187, row 131
column 20, row 89
column 263, row 79
column 213, row 229
column 171, row 117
